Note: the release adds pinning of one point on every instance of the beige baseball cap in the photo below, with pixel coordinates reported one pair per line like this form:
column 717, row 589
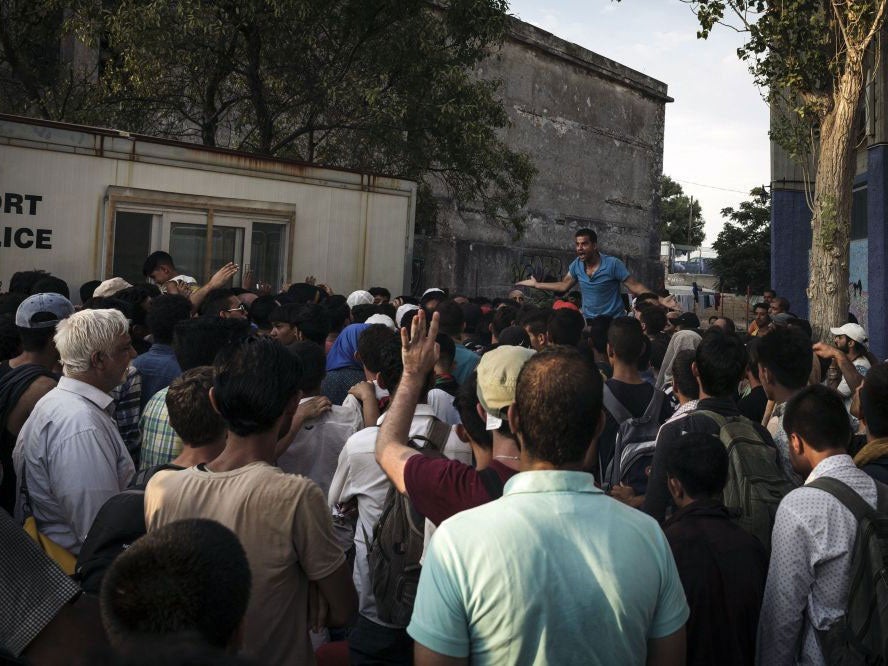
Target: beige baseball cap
column 497, row 378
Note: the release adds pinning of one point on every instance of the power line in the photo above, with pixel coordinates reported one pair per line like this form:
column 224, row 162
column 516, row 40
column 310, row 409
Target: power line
column 711, row 187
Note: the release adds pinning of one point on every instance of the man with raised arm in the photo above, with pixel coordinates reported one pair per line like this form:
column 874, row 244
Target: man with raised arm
column 480, row 597
column 599, row 276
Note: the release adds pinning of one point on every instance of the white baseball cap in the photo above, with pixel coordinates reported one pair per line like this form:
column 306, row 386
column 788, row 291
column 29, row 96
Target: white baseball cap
column 853, row 331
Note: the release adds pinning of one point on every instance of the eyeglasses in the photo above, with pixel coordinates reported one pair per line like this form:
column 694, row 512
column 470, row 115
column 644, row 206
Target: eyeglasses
column 239, row 307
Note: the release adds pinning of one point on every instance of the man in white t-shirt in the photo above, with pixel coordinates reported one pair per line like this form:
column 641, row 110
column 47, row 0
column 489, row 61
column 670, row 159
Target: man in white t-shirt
column 315, row 449
column 849, row 359
column 359, row 479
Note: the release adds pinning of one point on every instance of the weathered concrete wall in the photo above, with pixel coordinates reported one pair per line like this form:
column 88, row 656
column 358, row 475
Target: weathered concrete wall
column 594, row 130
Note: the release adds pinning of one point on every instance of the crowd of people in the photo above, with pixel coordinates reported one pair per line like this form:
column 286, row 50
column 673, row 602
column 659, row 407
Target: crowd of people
column 206, row 474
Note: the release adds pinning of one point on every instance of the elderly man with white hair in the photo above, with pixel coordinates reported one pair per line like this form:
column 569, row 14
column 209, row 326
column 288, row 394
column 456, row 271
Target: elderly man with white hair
column 69, row 457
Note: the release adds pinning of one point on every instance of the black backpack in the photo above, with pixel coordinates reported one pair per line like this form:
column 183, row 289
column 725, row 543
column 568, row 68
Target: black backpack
column 119, row 522
column 636, row 441
column 860, row 637
column 398, row 538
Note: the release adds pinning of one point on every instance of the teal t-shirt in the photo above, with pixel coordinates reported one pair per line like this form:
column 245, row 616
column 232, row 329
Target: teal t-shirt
column 554, row 572
column 601, row 291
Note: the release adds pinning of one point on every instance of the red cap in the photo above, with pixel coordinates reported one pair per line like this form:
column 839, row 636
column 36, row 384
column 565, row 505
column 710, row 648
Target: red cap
column 560, row 305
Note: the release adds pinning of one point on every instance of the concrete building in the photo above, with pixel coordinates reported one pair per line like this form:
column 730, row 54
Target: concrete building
column 594, row 130
column 791, row 220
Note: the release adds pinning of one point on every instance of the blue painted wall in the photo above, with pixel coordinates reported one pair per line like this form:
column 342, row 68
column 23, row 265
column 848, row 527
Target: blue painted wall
column 877, row 250
column 790, row 247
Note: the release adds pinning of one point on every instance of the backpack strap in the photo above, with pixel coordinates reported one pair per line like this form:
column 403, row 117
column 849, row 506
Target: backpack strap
column 434, row 439
column 614, row 406
column 842, row 492
column 493, row 484
column 720, row 420
column 655, row 406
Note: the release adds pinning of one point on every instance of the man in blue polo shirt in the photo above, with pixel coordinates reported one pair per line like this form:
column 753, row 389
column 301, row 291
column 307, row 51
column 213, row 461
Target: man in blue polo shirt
column 555, row 571
column 599, row 276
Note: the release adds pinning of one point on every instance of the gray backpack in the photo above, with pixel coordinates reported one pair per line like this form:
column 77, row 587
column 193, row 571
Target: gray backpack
column 398, row 540
column 860, row 637
column 756, row 482
column 636, row 440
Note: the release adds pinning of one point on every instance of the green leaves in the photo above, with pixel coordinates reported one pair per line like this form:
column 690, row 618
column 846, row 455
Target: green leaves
column 744, row 245
column 676, row 214
column 377, row 85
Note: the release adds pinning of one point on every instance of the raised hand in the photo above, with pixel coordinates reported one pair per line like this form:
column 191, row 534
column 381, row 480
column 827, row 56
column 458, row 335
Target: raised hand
column 419, row 351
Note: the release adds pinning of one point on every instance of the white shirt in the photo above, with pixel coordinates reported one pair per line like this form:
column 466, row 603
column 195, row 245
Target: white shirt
column 440, row 401
column 314, row 451
column 809, row 574
column 359, row 476
column 74, row 460
column 862, row 365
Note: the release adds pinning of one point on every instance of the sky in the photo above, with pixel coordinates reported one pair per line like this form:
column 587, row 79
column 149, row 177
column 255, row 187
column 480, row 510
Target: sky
column 716, row 136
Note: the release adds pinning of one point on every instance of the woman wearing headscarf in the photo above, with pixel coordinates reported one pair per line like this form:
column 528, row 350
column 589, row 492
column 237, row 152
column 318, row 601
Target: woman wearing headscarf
column 343, row 368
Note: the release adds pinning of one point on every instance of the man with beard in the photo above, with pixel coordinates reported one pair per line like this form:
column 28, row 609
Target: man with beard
column 849, row 362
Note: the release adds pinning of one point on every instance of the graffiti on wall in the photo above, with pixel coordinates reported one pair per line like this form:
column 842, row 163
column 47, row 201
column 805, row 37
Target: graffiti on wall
column 543, row 267
column 858, row 292
column 417, row 277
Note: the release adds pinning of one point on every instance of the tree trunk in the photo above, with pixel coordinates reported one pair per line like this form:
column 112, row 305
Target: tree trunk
column 831, row 219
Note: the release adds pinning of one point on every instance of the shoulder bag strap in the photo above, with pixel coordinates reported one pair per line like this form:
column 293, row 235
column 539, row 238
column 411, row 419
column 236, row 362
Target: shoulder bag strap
column 852, row 500
column 614, row 406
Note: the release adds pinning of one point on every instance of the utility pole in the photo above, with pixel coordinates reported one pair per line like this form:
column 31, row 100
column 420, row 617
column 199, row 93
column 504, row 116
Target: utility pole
column 690, row 218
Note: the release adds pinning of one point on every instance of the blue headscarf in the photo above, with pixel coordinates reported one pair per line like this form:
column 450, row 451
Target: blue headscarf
column 342, row 353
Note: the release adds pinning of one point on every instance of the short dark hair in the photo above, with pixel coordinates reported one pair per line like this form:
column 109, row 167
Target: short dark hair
column 759, row 306
column 645, row 298
column 110, row 303
column 167, row 311
column 683, row 374
column 752, row 357
column 472, row 315
column 446, row 348
column 191, row 414
column 155, row 260
column 187, row 576
column 699, row 461
column 10, row 341
column 769, row 291
column 216, row 301
column 721, row 362
column 565, row 327
column 301, row 292
column 466, row 404
column 626, row 338
column 787, row 355
column 87, row 288
column 313, row 322
column 391, row 365
column 136, row 296
column 598, row 328
column 51, row 285
column 874, row 400
column 380, row 291
column 802, row 325
column 558, row 398
column 371, row 341
column 450, row 318
column 338, row 312
column 588, row 233
column 22, row 282
column 817, row 414
column 361, row 313
column 36, row 339
column 197, row 341
column 732, row 327
column 10, row 301
column 261, row 309
column 253, row 381
column 311, row 357
column 536, row 320
column 503, row 318
column 654, row 319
